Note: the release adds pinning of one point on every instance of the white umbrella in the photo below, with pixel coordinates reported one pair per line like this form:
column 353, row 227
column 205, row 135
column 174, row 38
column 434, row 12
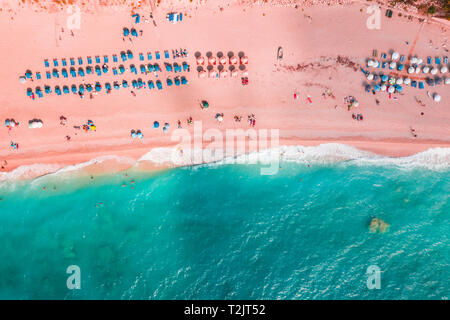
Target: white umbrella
column 434, row 71
column 419, row 61
column 370, row 63
column 32, row 124
column 383, row 87
column 392, row 65
column 426, row 69
column 444, row 69
column 417, row 69
column 407, row 81
column 22, row 79
column 395, row 55
column 391, row 89
column 399, row 81
column 447, row 81
column 370, row 76
column 410, row 69
column 436, row 97
column 413, row 60
column 355, row 103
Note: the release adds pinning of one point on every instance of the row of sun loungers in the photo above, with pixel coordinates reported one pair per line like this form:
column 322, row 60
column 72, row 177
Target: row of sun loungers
column 97, row 87
column 123, row 55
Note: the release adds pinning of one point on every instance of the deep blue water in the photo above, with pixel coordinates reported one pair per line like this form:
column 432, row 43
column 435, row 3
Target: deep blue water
column 227, row 232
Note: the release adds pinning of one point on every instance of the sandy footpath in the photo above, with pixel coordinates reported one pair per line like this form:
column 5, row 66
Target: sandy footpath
column 324, row 48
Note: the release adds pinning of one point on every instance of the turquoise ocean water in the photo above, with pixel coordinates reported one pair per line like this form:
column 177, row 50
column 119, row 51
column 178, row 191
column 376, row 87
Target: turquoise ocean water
column 227, row 232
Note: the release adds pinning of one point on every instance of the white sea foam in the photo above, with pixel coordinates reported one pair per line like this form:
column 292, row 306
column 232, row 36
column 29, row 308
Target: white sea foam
column 433, row 159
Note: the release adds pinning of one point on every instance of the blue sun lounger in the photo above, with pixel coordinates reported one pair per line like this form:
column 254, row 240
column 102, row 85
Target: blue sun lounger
column 137, row 18
column 74, row 89
column 48, row 89
column 114, row 58
column 39, row 92
column 105, row 59
column 157, row 55
column 166, row 54
column 64, row 62
column 115, row 71
column 80, row 61
column 151, row 85
column 64, row 73
column 429, row 60
column 384, row 65
column 421, row 85
column 414, row 84
column 169, row 82
column 72, row 62
column 46, row 64
column 55, row 62
column 438, row 60
column 58, row 90
column 89, row 60
column 38, row 75
column 123, row 56
column 133, row 69
column 141, row 57
column 159, row 84
column 97, row 59
column 47, row 73
column 149, row 56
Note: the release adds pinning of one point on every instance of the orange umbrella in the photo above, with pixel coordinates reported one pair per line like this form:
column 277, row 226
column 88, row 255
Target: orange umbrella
column 244, row 60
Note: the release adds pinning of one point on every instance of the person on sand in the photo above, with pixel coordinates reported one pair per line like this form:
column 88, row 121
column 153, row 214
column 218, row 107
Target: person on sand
column 179, row 124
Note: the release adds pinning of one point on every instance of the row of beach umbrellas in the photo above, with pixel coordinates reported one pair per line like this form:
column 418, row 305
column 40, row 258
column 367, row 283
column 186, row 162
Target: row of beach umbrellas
column 416, row 60
column 412, row 68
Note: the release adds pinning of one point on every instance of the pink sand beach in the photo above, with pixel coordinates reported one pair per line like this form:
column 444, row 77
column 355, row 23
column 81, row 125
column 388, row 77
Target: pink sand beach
column 324, row 43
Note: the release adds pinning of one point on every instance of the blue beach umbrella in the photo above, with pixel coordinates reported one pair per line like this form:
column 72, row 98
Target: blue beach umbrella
column 73, row 73
column 98, row 87
column 133, row 134
column 156, row 67
column 74, row 89
column 134, row 84
column 125, row 84
column 47, row 89
column 123, row 56
column 105, row 68
column 169, row 82
column 134, row 32
column 185, row 66
column 377, row 88
column 7, row 122
column 55, row 73
column 39, row 92
column 168, row 67
column 150, row 67
column 384, row 78
column 398, row 88
column 130, row 54
column 66, row 90
column 97, row 70
column 151, row 85
column 367, row 88
column 28, row 74
column 140, row 83
column 121, row 69
column 88, row 87
column 107, row 86
column 116, row 85
column 29, row 92
column 159, row 84
column 133, row 69
column 183, row 80
column 155, row 125
column 177, row 81
column 81, row 88
column 58, row 90
column 64, row 73
column 81, row 72
column 142, row 67
column 88, row 70
column 126, row 32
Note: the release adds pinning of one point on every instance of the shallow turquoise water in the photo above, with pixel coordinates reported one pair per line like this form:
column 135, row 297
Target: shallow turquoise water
column 229, row 233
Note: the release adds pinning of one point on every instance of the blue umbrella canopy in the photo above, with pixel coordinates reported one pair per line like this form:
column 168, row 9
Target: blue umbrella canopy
column 116, row 86
column 29, row 92
column 81, row 88
column 74, row 89
column 7, row 122
column 142, row 68
column 126, row 32
column 155, row 124
column 81, row 72
column 97, row 68
column 107, row 86
column 121, row 69
column 376, row 87
column 55, row 73
column 134, row 32
column 123, row 55
column 64, row 72
column 105, row 68
column 169, row 82
column 151, row 85
column 66, row 89
column 88, row 87
column 130, row 54
column 47, row 89
column 183, row 80
column 399, row 88
column 159, row 84
column 89, row 70
column 134, row 84
column 125, row 83
column 150, row 67
column 98, row 87
column 28, row 74
column 156, row 66
column 384, row 78
column 58, row 90
column 177, row 81
column 140, row 83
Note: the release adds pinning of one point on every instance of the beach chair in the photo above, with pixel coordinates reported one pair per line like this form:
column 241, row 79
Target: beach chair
column 184, row 81
column 74, row 89
column 169, row 82
column 158, row 84
column 80, row 61
column 97, row 59
column 170, row 16
column 125, row 84
column 58, row 90
column 437, row 60
column 66, row 90
column 114, row 58
column 105, row 59
column 73, row 72
column 47, row 89
column 141, row 57
column 137, row 18
column 115, row 71
column 157, row 55
column 151, row 85
column 429, row 60
column 166, row 54
column 168, row 67
column 47, row 73
column 55, row 62
column 64, row 62
column 414, row 84
column 89, row 60
column 38, row 75
column 143, row 70
column 421, row 85
column 185, row 66
column 46, row 64
column 72, row 62
column 149, row 56
column 64, row 73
